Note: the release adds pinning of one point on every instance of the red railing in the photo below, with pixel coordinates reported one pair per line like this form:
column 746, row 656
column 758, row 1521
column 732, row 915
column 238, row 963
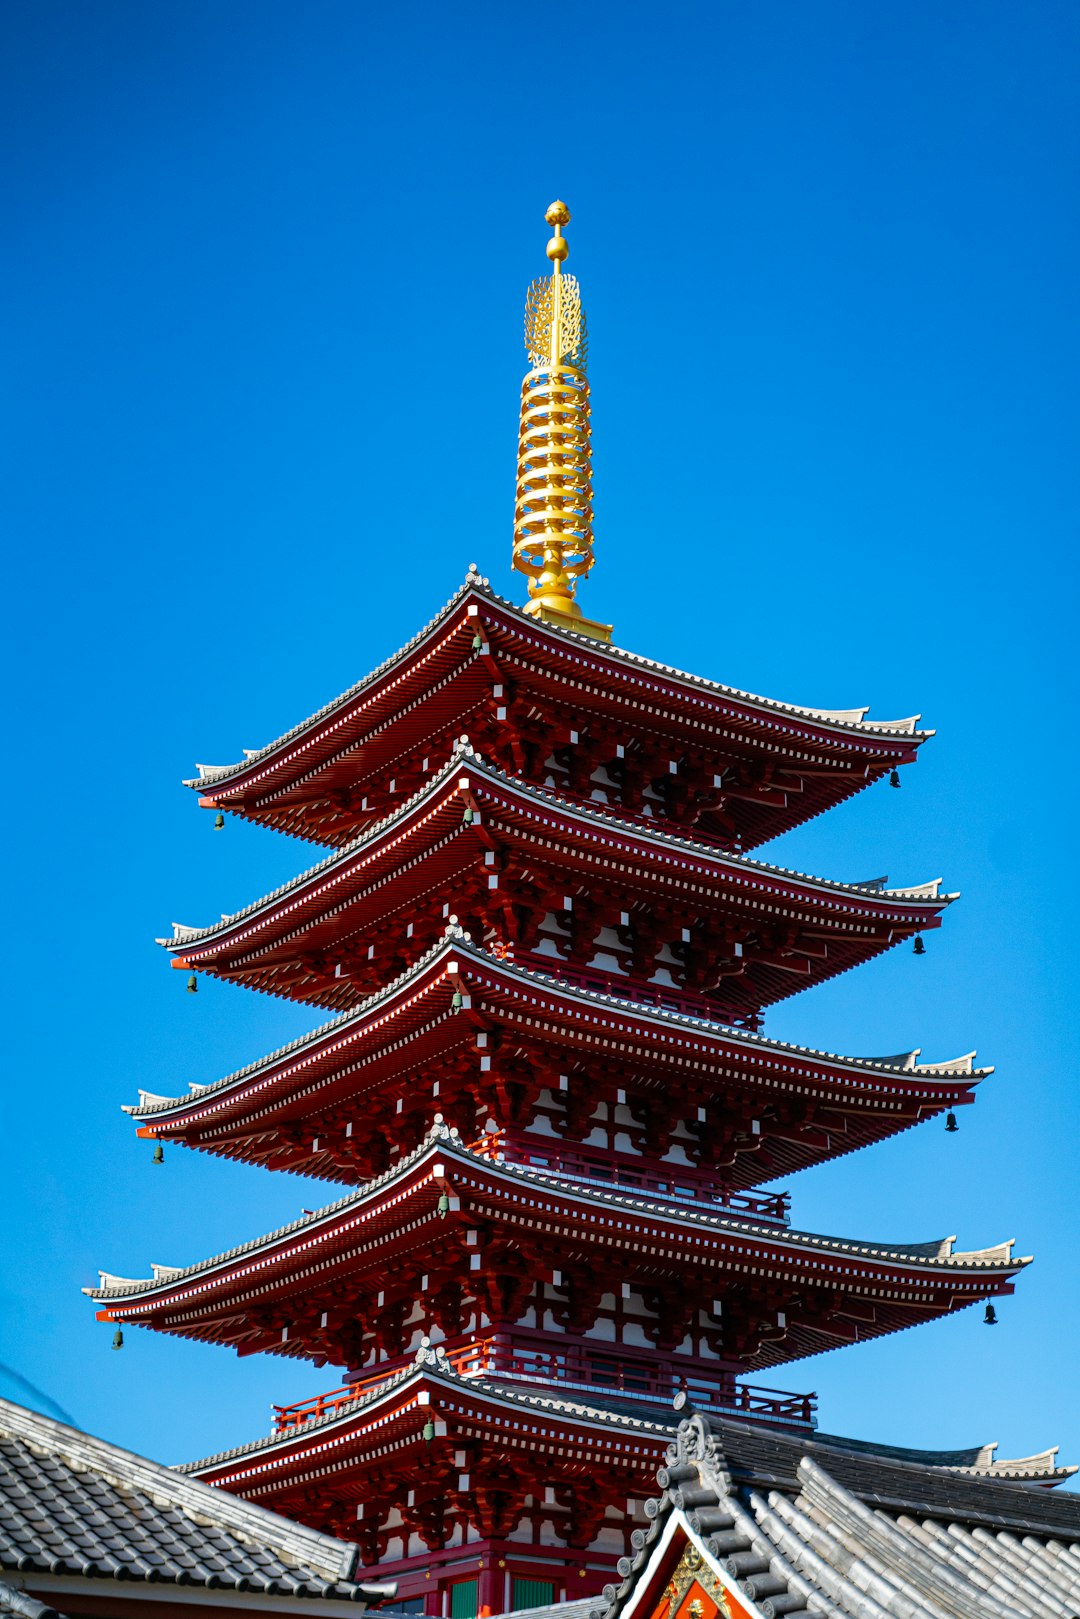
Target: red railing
column 589, row 1370
column 631, row 1174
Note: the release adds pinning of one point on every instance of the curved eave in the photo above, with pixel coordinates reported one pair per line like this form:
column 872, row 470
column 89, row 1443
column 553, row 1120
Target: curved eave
column 410, row 1396
column 442, row 1163
column 842, row 741
column 465, row 776
column 313, row 1062
column 352, row 1437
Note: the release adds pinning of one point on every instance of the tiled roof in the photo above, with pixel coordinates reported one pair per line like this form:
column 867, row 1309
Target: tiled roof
column 580, row 1608
column 817, row 1527
column 757, row 1456
column 72, row 1505
column 445, row 1140
column 463, row 754
column 905, row 1064
column 852, row 720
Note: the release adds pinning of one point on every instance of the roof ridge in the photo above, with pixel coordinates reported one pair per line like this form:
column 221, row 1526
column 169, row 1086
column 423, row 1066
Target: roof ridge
column 462, row 750
column 253, row 1524
column 850, row 719
column 447, row 1138
column 455, row 939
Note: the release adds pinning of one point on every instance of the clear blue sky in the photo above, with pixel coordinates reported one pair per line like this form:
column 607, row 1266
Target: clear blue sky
column 261, row 308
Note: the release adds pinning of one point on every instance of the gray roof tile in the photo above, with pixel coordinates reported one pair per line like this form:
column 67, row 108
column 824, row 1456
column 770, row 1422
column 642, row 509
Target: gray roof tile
column 844, row 1531
column 74, row 1505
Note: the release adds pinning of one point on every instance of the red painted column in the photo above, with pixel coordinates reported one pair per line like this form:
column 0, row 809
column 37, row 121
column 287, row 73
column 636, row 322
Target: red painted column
column 489, row 1595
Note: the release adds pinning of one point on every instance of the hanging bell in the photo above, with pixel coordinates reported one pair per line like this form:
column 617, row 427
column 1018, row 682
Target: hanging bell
column 193, row 985
column 990, row 1318
column 951, row 1125
column 428, row 1431
column 918, row 947
column 219, row 822
column 118, row 1339
column 442, row 1208
column 478, row 642
column 457, row 1002
column 894, row 778
column 159, row 1154
column 467, row 818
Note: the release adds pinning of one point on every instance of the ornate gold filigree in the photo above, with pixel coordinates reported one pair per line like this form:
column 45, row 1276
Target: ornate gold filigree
column 691, row 1570
column 572, row 337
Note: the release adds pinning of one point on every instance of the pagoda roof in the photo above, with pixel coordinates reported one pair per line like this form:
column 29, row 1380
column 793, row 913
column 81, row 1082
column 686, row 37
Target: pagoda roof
column 423, row 848
column 757, row 1454
column 251, row 1468
column 807, row 1528
column 440, row 668
column 395, row 1215
column 411, row 1021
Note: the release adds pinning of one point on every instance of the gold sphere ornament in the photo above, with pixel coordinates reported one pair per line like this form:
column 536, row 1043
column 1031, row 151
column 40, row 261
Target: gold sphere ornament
column 557, row 249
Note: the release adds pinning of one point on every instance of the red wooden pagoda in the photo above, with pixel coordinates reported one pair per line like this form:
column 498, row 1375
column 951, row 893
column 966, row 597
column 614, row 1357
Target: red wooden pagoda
column 547, row 1095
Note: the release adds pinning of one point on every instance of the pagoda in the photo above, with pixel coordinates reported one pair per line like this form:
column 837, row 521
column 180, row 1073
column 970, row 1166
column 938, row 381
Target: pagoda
column 546, row 1101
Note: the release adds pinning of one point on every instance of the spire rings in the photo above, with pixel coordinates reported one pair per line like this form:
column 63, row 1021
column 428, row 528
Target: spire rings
column 553, row 516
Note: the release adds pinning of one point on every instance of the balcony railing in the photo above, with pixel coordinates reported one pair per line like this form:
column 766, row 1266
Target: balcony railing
column 579, row 1367
column 632, row 1174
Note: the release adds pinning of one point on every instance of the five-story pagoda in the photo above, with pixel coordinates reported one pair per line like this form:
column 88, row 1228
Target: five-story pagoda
column 546, row 1094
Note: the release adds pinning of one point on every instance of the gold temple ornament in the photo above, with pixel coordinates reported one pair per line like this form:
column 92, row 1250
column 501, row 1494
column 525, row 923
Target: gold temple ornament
column 553, row 536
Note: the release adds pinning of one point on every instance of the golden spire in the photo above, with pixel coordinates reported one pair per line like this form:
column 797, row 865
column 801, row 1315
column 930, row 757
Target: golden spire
column 553, row 518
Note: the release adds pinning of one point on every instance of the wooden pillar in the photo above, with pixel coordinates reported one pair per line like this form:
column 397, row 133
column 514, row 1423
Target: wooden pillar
column 490, row 1591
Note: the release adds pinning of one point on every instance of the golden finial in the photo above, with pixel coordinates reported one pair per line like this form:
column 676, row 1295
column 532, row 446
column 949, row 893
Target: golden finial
column 553, row 519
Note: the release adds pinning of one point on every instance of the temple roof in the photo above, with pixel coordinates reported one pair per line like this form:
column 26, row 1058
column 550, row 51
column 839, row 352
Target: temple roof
column 395, row 1217
column 272, row 782
column 807, row 1527
column 465, row 758
column 395, row 875
column 844, row 720
column 72, row 1506
column 757, row 1454
column 443, row 1142
column 412, row 1021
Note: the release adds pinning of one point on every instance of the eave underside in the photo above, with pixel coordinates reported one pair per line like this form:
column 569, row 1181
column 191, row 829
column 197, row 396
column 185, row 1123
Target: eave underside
column 367, row 1087
column 564, row 886
column 344, row 1284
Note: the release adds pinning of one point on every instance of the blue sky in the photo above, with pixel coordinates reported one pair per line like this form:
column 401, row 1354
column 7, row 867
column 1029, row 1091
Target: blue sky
column 264, row 275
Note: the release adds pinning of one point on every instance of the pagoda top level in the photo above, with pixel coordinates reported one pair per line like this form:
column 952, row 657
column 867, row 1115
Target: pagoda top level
column 554, row 704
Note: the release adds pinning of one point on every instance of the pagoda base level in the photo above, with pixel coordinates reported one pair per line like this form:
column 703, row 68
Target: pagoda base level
column 493, row 1577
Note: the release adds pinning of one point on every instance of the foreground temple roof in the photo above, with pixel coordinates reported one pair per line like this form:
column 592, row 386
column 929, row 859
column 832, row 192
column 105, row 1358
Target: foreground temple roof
column 766, row 1525
column 78, row 1514
column 383, row 1233
column 302, row 782
column 412, row 1025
